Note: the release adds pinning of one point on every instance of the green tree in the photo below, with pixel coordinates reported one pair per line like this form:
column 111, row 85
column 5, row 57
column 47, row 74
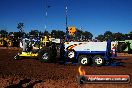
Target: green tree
column 108, row 35
column 84, row 35
column 88, row 35
column 46, row 33
column 130, row 35
column 125, row 36
column 17, row 35
column 54, row 33
column 79, row 34
column 60, row 34
column 10, row 33
column 100, row 37
column 118, row 36
column 57, row 34
column 34, row 33
column 20, row 26
column 41, row 33
column 3, row 33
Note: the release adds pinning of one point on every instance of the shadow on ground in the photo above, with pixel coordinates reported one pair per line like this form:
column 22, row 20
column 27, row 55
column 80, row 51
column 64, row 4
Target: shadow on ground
column 22, row 82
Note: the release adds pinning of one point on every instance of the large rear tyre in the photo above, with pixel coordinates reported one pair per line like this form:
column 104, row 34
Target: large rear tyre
column 98, row 60
column 48, row 54
column 44, row 55
column 84, row 60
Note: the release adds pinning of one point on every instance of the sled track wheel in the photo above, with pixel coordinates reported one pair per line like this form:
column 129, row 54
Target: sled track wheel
column 84, row 60
column 98, row 60
column 71, row 54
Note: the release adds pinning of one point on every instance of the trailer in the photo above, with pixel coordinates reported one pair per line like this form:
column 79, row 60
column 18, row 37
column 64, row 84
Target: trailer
column 89, row 53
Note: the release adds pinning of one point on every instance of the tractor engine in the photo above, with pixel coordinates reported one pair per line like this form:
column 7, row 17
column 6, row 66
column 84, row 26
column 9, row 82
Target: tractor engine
column 27, row 45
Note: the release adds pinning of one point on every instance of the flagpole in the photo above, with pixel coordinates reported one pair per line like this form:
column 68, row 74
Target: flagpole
column 46, row 19
column 66, row 16
column 46, row 15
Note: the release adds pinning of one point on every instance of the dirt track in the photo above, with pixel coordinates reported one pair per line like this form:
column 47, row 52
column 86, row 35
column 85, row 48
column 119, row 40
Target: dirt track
column 30, row 73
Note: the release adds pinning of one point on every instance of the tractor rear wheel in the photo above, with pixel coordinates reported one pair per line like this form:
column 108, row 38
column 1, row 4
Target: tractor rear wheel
column 48, row 54
column 45, row 57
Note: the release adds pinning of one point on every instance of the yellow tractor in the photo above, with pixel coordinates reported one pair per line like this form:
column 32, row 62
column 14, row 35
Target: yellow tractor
column 44, row 49
column 6, row 42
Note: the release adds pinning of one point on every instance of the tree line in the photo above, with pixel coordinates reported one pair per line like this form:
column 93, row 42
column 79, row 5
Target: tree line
column 82, row 35
column 114, row 36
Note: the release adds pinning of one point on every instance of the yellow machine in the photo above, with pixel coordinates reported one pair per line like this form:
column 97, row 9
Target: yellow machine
column 28, row 54
column 6, row 42
column 39, row 49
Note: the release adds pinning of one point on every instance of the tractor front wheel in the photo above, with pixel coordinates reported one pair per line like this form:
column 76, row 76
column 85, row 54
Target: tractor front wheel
column 16, row 57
